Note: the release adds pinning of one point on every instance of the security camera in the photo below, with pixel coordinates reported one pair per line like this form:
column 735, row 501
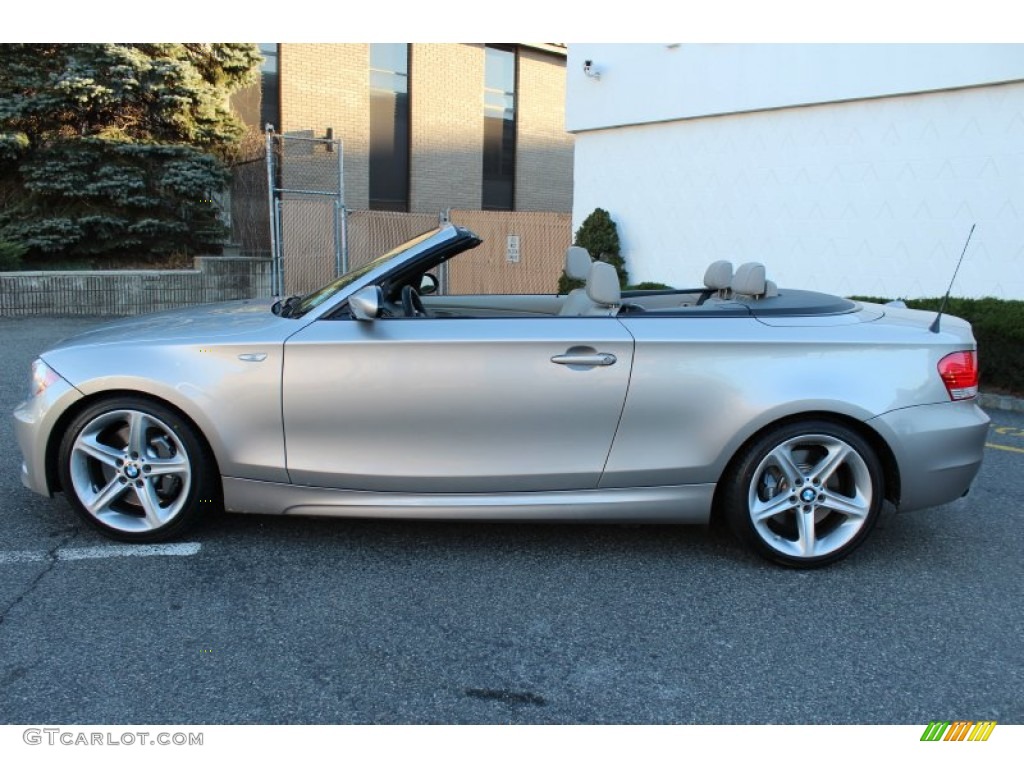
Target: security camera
column 590, row 70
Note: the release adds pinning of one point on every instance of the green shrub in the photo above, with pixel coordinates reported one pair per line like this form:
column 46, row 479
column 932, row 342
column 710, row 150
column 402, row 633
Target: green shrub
column 599, row 235
column 649, row 286
column 10, row 255
column 999, row 330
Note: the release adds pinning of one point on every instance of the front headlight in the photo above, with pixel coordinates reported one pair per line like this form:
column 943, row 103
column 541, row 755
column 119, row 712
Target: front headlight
column 42, row 377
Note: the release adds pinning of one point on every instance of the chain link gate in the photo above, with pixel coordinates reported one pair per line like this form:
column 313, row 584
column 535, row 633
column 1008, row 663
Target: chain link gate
column 305, row 178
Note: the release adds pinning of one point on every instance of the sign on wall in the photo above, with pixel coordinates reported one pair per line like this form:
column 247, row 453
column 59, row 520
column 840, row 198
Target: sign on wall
column 512, row 249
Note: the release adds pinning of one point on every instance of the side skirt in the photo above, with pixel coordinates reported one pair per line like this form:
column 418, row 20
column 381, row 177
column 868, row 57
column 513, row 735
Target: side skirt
column 661, row 504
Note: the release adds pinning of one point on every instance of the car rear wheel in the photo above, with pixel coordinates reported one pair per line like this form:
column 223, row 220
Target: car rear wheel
column 805, row 494
column 136, row 470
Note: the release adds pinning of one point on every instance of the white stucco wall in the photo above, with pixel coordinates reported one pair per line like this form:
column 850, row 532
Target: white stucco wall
column 865, row 196
column 641, row 83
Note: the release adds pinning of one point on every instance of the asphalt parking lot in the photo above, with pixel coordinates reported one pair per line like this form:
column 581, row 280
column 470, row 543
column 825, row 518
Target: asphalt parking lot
column 273, row 620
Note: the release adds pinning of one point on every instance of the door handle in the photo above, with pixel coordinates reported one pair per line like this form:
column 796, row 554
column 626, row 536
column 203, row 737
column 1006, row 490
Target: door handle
column 595, row 358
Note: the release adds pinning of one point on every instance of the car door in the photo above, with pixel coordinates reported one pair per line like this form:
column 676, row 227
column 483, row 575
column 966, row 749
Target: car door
column 452, row 405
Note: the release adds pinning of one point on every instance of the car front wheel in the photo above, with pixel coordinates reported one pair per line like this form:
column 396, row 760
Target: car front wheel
column 805, row 494
column 136, row 470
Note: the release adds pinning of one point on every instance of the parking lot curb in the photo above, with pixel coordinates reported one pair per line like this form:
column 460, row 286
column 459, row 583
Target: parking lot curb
column 1001, row 402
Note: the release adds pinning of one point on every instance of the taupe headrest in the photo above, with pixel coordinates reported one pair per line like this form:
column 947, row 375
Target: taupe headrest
column 577, row 262
column 718, row 275
column 603, row 284
column 749, row 279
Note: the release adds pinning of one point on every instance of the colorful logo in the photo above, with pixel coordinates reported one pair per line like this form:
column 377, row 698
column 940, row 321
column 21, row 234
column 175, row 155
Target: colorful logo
column 960, row 730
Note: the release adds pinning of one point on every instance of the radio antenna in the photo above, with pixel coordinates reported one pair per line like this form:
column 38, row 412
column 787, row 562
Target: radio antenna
column 942, row 307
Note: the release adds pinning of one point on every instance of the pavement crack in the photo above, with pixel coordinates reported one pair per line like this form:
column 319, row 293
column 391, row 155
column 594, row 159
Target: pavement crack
column 51, row 556
column 506, row 696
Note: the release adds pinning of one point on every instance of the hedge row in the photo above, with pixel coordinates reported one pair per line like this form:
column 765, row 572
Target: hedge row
column 999, row 328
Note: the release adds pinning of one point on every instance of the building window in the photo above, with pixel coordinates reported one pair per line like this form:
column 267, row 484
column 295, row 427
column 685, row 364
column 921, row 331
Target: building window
column 499, row 130
column 389, row 126
column 270, row 88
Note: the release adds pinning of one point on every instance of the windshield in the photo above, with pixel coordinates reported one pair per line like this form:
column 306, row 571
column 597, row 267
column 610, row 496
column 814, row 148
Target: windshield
column 318, row 297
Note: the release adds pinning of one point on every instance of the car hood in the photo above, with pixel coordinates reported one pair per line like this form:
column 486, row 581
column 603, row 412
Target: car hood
column 242, row 320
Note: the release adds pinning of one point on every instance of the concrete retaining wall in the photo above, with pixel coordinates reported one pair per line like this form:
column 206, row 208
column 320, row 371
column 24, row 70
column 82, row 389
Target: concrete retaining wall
column 133, row 292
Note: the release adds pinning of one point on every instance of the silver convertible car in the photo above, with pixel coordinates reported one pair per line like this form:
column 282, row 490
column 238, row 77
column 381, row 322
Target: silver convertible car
column 796, row 417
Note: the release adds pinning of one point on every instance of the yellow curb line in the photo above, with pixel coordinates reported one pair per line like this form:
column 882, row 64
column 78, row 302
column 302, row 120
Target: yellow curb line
column 1004, row 447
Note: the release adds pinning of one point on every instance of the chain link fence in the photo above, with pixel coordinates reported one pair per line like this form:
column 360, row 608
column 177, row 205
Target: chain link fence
column 522, row 252
column 250, row 214
column 373, row 233
column 291, row 205
column 305, row 174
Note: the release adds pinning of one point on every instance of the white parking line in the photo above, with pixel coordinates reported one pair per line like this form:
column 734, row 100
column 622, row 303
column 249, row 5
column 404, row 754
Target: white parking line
column 99, row 553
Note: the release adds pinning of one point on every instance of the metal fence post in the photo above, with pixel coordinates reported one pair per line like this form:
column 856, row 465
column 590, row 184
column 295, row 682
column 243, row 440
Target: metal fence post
column 274, row 252
column 279, row 254
column 342, row 225
column 338, row 260
column 345, row 261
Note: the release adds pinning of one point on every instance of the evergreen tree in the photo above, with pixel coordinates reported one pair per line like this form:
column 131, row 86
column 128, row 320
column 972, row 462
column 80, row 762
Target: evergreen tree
column 599, row 235
column 111, row 149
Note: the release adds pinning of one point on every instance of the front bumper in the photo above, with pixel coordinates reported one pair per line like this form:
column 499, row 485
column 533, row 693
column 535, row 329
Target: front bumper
column 938, row 449
column 34, row 420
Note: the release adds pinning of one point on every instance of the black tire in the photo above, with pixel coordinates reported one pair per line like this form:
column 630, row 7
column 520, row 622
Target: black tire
column 136, row 470
column 804, row 494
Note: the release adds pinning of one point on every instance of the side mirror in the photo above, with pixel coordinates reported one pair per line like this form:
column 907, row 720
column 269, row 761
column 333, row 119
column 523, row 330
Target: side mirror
column 366, row 303
column 428, row 284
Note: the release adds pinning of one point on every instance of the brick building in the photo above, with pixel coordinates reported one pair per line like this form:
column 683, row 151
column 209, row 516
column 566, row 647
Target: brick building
column 429, row 126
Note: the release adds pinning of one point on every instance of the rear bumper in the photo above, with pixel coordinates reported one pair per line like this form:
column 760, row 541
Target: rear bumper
column 938, row 449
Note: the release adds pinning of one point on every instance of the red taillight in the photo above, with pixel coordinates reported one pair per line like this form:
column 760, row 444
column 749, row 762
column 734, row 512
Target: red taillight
column 959, row 372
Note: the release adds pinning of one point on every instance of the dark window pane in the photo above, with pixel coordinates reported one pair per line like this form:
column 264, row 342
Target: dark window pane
column 389, row 150
column 270, row 95
column 499, row 159
column 389, row 126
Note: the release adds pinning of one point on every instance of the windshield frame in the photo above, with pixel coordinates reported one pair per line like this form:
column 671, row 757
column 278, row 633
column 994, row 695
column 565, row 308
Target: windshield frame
column 427, row 244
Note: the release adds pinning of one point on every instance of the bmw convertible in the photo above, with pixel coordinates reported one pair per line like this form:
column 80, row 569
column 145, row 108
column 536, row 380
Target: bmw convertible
column 798, row 418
